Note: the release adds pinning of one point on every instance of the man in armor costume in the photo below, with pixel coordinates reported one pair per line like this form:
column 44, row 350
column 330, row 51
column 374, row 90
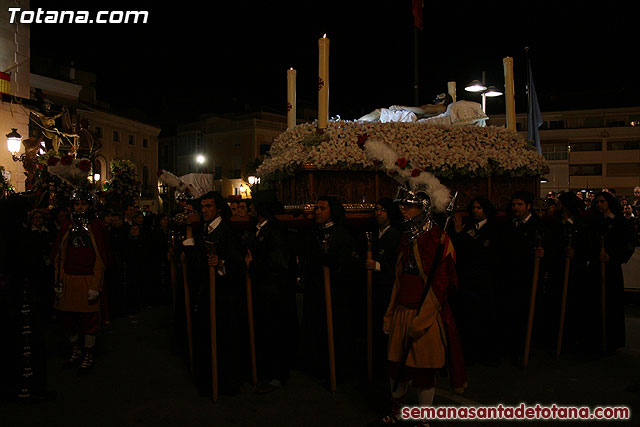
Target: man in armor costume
column 422, row 334
column 80, row 256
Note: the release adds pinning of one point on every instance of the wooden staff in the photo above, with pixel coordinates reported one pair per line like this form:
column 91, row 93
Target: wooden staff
column 332, row 356
column 369, row 310
column 563, row 307
column 214, row 342
column 187, row 309
column 532, row 306
column 603, row 283
column 252, row 339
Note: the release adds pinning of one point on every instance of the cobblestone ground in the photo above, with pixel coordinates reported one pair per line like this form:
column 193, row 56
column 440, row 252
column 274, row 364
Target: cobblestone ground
column 139, row 381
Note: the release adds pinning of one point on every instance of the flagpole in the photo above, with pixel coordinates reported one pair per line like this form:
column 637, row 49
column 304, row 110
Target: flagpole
column 416, row 71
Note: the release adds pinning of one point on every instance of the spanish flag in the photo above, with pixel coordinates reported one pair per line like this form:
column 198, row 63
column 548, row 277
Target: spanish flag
column 5, row 83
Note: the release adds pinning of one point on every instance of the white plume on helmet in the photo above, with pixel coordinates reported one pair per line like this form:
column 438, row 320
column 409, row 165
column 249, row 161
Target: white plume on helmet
column 439, row 193
column 180, row 186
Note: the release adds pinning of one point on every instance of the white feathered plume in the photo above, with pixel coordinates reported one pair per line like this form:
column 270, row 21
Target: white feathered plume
column 180, row 186
column 379, row 150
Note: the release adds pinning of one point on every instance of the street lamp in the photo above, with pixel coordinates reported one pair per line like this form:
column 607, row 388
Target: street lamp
column 14, row 139
column 481, row 87
column 200, row 159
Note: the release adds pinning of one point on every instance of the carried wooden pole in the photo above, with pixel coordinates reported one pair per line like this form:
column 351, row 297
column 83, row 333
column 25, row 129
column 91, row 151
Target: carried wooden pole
column 252, row 339
column 369, row 311
column 603, row 294
column 329, row 311
column 187, row 309
column 563, row 307
column 532, row 307
column 214, row 342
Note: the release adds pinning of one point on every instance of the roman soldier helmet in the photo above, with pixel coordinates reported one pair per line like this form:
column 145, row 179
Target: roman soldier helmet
column 81, row 194
column 418, row 197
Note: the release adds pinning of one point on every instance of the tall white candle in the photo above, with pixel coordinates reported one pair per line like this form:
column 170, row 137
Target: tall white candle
column 291, row 98
column 323, row 82
column 509, row 93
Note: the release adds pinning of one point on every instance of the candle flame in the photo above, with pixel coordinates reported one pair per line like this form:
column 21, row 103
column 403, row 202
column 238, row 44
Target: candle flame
column 325, row 36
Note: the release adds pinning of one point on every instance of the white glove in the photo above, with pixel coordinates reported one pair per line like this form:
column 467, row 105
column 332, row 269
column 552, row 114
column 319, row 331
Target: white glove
column 93, row 295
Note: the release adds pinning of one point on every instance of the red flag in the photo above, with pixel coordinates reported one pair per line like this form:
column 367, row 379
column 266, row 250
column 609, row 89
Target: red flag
column 416, row 8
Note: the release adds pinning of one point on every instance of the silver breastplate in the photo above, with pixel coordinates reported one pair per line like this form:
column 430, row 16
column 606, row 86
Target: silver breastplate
column 79, row 234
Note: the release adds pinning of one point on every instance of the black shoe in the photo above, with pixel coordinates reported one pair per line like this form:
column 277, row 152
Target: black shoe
column 75, row 359
column 87, row 362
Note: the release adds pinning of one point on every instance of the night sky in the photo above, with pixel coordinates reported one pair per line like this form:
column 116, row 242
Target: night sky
column 232, row 57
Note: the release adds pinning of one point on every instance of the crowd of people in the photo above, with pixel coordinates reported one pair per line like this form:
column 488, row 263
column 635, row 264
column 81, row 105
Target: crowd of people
column 470, row 287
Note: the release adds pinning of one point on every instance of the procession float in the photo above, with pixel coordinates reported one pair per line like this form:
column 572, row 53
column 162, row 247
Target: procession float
column 446, row 145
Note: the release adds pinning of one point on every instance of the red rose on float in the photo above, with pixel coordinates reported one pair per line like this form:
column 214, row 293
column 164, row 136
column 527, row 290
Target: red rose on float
column 52, row 161
column 402, row 162
column 84, row 165
column 66, row 160
column 415, row 172
column 40, row 166
column 361, row 140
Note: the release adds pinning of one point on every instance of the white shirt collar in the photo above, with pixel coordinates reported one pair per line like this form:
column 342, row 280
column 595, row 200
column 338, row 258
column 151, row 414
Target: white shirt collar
column 524, row 221
column 384, row 230
column 214, row 224
column 259, row 226
column 611, row 215
column 568, row 220
column 481, row 223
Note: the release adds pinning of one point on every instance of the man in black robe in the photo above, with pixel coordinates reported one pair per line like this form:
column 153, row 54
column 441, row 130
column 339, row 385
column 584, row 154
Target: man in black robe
column 212, row 243
column 520, row 242
column 331, row 244
column 611, row 243
column 273, row 288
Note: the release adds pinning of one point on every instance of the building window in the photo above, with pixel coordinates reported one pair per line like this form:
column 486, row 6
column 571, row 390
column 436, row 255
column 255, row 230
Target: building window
column 145, row 143
column 613, row 123
column 623, row 145
column 593, row 122
column 116, row 136
column 593, row 169
column 555, row 151
column 623, row 169
column 553, row 124
column 99, row 131
column 132, row 140
column 586, row 146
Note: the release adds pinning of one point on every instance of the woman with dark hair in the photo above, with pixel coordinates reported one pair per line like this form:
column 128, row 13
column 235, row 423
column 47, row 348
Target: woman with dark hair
column 385, row 245
column 611, row 245
column 474, row 304
column 569, row 235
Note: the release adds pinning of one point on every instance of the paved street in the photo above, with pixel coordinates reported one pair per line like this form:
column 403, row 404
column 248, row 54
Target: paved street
column 139, row 381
